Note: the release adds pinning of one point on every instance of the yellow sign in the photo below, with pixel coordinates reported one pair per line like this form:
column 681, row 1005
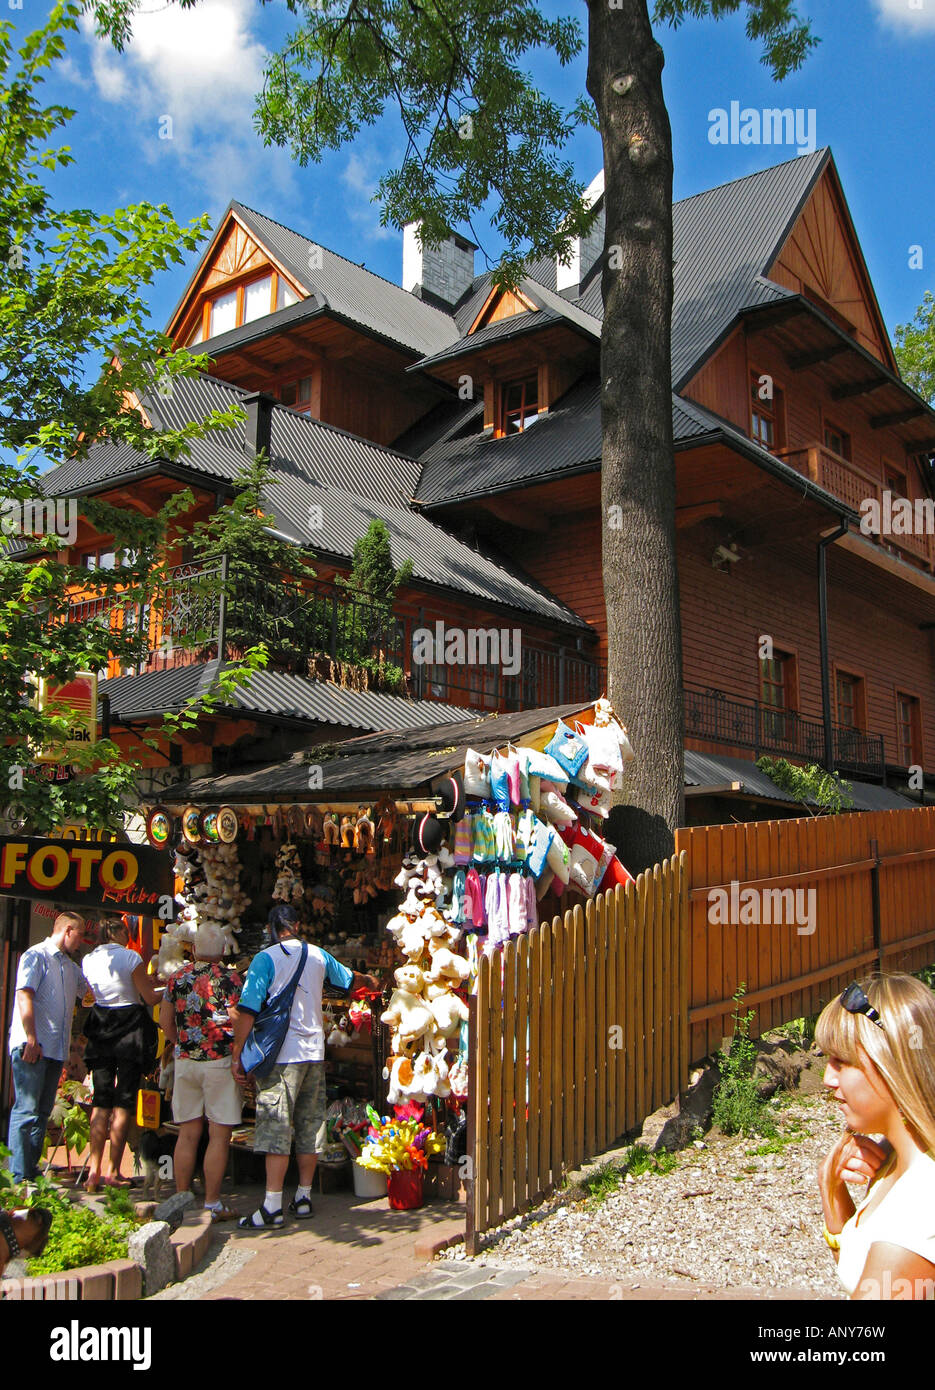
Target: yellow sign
column 78, row 699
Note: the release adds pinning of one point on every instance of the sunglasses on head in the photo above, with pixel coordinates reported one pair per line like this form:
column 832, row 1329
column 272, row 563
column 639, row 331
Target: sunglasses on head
column 856, row 1002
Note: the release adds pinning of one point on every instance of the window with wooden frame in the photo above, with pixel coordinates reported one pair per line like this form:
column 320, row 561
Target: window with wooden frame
column 837, row 440
column 851, row 700
column 518, row 405
column 908, row 729
column 778, row 693
column 895, row 481
column 767, row 411
column 243, row 303
column 298, row 394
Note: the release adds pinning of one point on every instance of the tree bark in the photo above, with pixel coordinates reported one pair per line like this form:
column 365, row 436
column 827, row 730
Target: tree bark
column 638, row 465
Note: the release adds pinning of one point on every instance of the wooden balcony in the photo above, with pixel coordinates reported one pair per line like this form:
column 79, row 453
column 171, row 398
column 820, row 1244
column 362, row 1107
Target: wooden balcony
column 204, row 610
column 854, row 486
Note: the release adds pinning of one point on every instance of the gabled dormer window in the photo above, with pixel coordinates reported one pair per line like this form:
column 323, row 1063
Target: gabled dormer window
column 519, row 405
column 242, row 304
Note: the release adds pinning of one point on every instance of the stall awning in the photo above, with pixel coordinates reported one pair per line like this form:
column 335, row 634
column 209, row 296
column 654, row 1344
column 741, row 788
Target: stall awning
column 361, row 768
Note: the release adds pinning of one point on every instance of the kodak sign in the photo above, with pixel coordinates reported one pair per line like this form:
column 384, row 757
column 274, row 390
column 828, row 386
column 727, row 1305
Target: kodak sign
column 83, row 874
column 77, row 701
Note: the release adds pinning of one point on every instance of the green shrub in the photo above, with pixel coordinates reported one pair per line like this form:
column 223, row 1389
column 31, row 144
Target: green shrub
column 603, row 1182
column 642, row 1160
column 79, row 1236
column 738, row 1107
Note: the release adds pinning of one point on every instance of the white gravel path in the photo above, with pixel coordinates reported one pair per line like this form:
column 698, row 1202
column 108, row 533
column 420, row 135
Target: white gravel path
column 724, row 1215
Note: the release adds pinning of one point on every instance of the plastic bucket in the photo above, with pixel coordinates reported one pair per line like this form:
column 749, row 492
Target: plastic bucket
column 367, row 1183
column 404, row 1189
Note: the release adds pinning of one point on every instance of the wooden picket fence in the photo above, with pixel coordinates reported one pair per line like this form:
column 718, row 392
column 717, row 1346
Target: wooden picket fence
column 576, row 1032
column 873, row 879
column 585, row 1026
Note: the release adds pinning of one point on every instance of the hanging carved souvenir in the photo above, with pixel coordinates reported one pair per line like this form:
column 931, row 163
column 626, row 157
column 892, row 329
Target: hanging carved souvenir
column 227, row 825
column 295, row 819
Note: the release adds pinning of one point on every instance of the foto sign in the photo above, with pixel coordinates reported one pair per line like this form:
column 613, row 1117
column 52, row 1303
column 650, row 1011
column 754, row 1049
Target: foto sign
column 78, row 699
column 84, row 874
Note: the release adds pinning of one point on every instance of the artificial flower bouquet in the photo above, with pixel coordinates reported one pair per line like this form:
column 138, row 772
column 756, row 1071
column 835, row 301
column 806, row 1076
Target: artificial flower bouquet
column 399, row 1144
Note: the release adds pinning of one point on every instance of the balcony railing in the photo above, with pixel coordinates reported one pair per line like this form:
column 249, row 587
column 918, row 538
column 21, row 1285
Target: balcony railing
column 202, row 611
column 713, row 717
column 854, row 486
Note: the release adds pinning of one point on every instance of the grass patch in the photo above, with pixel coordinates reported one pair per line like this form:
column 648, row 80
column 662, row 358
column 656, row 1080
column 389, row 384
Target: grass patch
column 603, row 1182
column 641, row 1160
column 738, row 1107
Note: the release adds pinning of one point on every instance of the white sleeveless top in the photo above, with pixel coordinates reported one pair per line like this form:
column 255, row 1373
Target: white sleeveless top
column 904, row 1216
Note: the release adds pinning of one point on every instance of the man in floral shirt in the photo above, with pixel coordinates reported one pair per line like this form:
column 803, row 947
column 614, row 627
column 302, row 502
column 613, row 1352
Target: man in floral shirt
column 195, row 1017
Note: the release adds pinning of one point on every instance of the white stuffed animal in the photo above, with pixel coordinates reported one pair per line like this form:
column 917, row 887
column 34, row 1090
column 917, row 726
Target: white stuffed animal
column 447, row 966
column 449, row 1010
column 408, row 1014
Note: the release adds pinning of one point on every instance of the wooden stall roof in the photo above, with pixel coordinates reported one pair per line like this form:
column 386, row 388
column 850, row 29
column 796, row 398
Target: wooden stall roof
column 400, row 762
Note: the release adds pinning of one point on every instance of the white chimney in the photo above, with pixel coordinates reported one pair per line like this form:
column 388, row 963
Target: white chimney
column 584, row 250
column 443, row 272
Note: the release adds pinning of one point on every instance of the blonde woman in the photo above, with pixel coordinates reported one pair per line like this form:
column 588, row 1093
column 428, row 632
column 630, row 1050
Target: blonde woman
column 879, row 1038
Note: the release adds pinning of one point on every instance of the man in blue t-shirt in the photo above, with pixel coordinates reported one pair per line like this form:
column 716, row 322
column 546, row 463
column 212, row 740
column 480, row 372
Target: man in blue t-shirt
column 290, row 1101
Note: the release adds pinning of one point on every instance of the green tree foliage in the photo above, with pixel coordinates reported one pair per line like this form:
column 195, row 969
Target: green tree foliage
column 367, row 625
column 75, row 348
column 915, row 349
column 821, row 792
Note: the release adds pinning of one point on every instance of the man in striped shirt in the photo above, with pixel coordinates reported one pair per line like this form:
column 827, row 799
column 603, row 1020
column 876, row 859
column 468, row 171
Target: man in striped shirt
column 48, row 984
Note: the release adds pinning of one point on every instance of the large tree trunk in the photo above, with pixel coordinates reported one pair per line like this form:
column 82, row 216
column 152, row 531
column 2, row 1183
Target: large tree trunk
column 638, row 467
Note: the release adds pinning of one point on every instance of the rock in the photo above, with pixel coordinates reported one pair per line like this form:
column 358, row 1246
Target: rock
column 150, row 1247
column 144, row 1210
column 174, row 1208
column 778, row 1066
column 675, row 1125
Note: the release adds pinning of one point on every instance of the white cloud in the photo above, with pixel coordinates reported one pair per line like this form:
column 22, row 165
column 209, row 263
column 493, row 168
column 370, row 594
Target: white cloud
column 201, row 68
column 908, row 15
column 360, row 177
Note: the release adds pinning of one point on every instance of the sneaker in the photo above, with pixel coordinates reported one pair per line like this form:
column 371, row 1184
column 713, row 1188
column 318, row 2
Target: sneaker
column 269, row 1218
column 301, row 1209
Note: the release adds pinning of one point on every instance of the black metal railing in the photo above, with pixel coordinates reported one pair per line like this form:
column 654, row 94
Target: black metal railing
column 713, row 717
column 204, row 609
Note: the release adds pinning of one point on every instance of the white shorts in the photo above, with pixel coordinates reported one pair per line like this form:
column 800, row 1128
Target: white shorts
column 206, row 1088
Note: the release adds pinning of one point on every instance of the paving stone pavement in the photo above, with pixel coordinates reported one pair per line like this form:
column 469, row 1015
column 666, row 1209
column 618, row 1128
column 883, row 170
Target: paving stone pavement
column 463, row 1281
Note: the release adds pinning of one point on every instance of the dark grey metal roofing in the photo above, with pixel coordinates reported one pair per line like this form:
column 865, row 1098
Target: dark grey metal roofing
column 569, row 436
column 348, row 481
column 351, row 291
column 550, row 308
column 401, row 760
column 710, row 770
column 276, row 694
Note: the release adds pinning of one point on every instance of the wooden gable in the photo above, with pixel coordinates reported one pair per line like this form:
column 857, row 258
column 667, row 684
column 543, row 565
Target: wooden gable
column 501, row 304
column 234, row 257
column 822, row 260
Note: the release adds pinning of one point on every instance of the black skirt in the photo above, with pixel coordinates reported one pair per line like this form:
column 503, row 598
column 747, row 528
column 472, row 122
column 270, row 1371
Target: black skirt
column 127, row 1034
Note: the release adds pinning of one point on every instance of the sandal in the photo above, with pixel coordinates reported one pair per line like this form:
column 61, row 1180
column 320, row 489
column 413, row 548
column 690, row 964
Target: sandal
column 223, row 1213
column 270, row 1218
column 301, row 1209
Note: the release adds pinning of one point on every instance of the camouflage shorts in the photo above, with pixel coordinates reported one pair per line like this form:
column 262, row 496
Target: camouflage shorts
column 291, row 1102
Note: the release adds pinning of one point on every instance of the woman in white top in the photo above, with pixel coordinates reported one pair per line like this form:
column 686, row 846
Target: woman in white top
column 121, row 1044
column 879, row 1039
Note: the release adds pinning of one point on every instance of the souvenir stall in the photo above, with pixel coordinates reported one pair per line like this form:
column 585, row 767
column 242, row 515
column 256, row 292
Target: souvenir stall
column 413, row 891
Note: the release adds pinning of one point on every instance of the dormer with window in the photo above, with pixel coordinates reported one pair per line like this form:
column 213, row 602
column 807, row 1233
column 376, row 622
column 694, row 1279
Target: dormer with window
column 242, row 303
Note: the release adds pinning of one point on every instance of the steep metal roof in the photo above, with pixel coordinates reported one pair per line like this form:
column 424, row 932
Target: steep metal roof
column 275, row 694
column 352, row 291
column 347, row 480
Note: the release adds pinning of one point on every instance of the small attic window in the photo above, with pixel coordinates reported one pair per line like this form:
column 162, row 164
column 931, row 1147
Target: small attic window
column 519, row 405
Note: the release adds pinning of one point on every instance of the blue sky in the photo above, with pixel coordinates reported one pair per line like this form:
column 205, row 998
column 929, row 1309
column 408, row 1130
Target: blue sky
column 869, row 84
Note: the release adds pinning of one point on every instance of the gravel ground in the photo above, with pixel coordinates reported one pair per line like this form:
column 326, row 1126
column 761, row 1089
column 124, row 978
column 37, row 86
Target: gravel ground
column 724, row 1215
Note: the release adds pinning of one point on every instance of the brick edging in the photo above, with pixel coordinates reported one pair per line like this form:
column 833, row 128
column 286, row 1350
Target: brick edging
column 118, row 1281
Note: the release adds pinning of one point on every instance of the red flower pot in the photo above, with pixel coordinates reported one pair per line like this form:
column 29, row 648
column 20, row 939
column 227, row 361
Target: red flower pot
column 404, row 1189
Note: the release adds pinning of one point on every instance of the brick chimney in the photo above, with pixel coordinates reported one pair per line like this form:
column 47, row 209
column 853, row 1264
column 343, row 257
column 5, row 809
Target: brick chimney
column 441, row 274
column 584, row 250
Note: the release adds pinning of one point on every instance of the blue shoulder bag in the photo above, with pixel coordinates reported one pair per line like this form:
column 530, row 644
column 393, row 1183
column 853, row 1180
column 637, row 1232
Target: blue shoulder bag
column 270, row 1026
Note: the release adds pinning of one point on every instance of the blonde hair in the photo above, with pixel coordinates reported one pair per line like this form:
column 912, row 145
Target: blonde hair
column 903, row 1050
